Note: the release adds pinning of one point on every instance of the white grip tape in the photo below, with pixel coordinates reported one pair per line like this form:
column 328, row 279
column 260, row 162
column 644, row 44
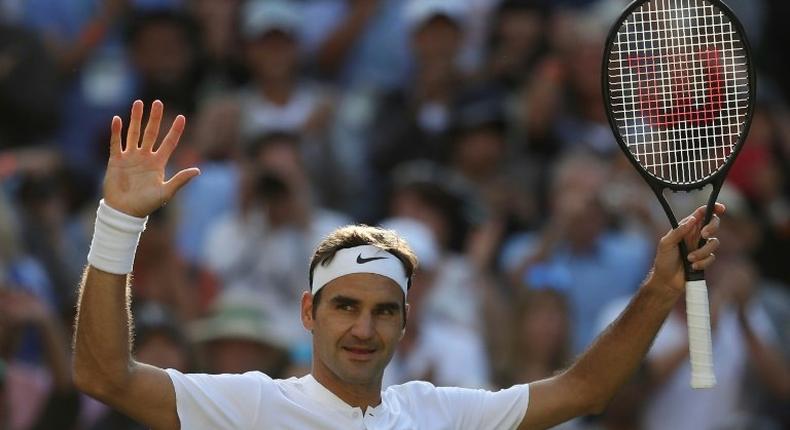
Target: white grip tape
column 700, row 346
column 115, row 238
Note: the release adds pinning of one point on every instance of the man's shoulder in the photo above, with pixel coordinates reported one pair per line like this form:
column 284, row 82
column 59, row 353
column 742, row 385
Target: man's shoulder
column 421, row 391
column 421, row 396
column 411, row 386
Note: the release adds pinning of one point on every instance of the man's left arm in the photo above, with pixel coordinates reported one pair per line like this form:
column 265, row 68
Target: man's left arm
column 591, row 382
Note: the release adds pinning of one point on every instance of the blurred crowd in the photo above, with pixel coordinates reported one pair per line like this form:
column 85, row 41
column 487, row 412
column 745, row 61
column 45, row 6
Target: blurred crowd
column 476, row 129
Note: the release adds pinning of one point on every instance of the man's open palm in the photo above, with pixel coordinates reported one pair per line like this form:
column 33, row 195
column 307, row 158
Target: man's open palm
column 135, row 179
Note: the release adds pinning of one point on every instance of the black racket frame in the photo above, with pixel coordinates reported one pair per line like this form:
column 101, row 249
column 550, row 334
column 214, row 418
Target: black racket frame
column 657, row 184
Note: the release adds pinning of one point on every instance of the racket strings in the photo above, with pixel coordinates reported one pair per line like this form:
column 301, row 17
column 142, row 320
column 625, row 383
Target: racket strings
column 679, row 88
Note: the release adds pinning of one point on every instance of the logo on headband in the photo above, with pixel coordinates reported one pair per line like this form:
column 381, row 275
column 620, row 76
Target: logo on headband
column 361, row 260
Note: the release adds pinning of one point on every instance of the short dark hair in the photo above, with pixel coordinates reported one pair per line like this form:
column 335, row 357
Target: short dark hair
column 358, row 235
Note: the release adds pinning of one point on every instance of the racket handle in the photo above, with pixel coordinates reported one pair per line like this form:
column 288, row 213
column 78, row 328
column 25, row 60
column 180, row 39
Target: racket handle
column 700, row 346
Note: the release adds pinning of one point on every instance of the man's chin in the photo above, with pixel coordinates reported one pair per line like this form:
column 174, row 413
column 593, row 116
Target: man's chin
column 363, row 373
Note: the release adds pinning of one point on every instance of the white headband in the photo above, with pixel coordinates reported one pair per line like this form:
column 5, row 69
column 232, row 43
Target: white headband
column 360, row 259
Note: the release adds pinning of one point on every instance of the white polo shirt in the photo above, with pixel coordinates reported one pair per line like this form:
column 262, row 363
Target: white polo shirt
column 255, row 401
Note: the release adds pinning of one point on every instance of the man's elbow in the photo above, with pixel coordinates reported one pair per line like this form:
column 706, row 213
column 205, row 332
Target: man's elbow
column 86, row 381
column 589, row 398
column 97, row 384
column 597, row 407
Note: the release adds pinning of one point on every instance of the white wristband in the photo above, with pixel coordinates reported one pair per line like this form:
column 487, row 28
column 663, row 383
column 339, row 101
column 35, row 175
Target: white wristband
column 115, row 239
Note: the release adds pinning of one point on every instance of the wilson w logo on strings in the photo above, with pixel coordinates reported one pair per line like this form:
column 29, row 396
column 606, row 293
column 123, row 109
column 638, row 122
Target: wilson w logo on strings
column 679, row 89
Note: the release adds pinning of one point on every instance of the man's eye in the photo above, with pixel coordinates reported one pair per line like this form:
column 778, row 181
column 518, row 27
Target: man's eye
column 386, row 312
column 348, row 308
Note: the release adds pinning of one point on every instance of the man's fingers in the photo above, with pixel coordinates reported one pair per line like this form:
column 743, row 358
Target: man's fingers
column 718, row 209
column 704, row 263
column 179, row 180
column 708, row 230
column 152, row 127
column 170, row 141
column 133, row 134
column 115, row 136
column 709, row 248
column 711, row 228
column 686, row 226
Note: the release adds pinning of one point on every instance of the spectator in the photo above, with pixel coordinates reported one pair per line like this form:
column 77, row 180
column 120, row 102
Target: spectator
column 516, row 40
column 456, row 292
column 434, row 348
column 480, row 153
column 584, row 124
column 742, row 335
column 221, row 54
column 278, row 98
column 17, row 266
column 602, row 263
column 362, row 43
column 162, row 277
column 759, row 175
column 240, row 335
column 86, row 41
column 46, row 233
column 37, row 395
column 163, row 53
column 541, row 335
column 414, row 123
column 29, row 90
column 266, row 244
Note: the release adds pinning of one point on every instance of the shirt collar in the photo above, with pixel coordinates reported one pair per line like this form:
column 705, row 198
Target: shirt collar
column 323, row 395
column 315, row 390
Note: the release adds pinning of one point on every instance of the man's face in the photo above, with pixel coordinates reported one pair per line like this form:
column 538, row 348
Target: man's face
column 357, row 326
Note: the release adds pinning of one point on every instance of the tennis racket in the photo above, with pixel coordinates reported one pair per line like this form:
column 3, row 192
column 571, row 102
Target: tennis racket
column 679, row 90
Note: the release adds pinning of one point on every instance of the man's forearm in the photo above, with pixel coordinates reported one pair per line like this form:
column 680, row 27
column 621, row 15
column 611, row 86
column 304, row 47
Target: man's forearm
column 102, row 357
column 619, row 350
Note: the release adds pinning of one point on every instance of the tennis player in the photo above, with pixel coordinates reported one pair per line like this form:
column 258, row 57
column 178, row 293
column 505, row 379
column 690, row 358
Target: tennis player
column 356, row 310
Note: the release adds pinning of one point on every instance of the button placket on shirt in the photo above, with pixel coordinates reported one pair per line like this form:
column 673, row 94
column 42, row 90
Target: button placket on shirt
column 359, row 418
column 369, row 419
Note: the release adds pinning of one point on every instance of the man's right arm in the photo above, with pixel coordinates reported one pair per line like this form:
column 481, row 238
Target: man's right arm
column 103, row 366
column 134, row 186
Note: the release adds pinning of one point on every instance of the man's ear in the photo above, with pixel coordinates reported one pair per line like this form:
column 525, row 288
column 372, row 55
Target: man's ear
column 307, row 311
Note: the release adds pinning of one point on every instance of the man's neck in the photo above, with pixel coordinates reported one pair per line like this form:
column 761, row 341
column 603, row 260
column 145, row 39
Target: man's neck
column 355, row 395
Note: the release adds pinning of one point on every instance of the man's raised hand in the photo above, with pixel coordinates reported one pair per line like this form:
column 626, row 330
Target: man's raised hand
column 668, row 267
column 135, row 179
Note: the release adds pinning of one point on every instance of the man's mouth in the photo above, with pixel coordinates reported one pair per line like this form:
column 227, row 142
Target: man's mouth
column 358, row 353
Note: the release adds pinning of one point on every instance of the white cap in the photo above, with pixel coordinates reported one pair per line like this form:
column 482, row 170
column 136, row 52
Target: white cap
column 418, row 12
column 419, row 237
column 262, row 16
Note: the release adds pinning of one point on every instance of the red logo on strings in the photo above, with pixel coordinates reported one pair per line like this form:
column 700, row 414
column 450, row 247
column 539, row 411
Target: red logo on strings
column 679, row 89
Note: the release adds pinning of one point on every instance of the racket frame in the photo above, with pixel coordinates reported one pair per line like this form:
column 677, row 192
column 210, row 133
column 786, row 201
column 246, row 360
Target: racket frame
column 657, row 184
column 717, row 178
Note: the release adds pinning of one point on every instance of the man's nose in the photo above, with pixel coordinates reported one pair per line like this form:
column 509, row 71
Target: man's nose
column 363, row 327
